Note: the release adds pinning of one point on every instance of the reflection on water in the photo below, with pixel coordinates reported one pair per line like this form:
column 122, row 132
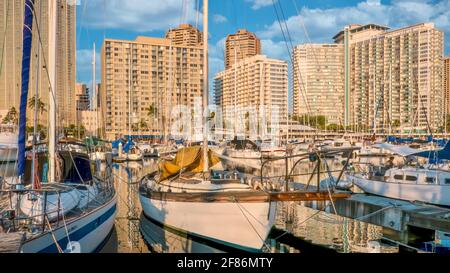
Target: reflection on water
column 133, row 232
column 136, row 233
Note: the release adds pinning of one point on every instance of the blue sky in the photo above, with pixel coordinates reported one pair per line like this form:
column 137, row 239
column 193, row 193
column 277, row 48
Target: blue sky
column 316, row 21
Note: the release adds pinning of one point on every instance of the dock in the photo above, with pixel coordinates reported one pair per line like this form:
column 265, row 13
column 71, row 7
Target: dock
column 404, row 221
column 11, row 242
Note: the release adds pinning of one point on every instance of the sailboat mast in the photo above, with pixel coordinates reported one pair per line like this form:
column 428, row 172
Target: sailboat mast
column 52, row 90
column 205, row 84
column 94, row 90
column 36, row 104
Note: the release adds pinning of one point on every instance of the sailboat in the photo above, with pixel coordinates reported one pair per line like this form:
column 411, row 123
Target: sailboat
column 215, row 206
column 427, row 183
column 58, row 205
column 8, row 143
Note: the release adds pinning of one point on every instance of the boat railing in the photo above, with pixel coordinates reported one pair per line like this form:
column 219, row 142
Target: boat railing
column 13, row 219
column 313, row 156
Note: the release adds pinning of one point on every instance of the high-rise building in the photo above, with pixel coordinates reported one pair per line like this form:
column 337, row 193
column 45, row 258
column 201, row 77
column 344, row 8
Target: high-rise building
column 241, row 45
column 393, row 77
column 185, row 35
column 253, row 82
column 318, row 78
column 447, row 84
column 11, row 20
column 82, row 95
column 143, row 80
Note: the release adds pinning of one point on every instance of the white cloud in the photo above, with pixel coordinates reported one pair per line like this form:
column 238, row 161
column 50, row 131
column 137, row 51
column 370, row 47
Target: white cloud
column 137, row 15
column 218, row 18
column 257, row 4
column 322, row 24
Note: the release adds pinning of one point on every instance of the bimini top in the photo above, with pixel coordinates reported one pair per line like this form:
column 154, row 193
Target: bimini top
column 441, row 154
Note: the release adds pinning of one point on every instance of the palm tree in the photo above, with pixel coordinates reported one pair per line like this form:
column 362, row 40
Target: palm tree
column 152, row 111
column 40, row 105
column 11, row 116
column 143, row 124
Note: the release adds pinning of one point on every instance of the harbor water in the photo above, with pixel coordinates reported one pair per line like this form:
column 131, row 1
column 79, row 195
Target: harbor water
column 300, row 226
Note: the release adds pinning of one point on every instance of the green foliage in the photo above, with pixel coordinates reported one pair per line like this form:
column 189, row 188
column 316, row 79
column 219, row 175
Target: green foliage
column 318, row 122
column 11, row 117
column 40, row 104
column 72, row 130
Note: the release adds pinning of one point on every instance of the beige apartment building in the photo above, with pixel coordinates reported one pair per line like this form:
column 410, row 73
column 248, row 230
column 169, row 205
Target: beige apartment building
column 253, row 82
column 185, row 35
column 447, row 84
column 143, row 80
column 11, row 20
column 241, row 45
column 393, row 77
column 318, row 79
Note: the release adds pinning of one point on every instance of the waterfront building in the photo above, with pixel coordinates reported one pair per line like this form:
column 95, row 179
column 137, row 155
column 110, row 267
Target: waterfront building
column 253, row 82
column 393, row 78
column 143, row 80
column 185, row 35
column 241, row 45
column 83, row 98
column 11, row 28
column 318, row 79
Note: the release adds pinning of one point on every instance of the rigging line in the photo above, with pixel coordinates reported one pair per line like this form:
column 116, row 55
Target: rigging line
column 248, row 220
column 291, row 58
column 45, row 60
column 302, row 23
column 285, row 24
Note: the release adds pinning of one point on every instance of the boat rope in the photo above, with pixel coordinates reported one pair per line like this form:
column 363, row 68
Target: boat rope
column 328, row 186
column 69, row 244
column 53, row 235
column 248, row 220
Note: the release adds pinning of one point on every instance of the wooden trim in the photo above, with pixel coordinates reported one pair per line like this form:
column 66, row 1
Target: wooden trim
column 252, row 196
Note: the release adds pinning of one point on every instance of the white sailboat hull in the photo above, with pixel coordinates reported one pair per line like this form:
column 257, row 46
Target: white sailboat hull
column 433, row 194
column 86, row 233
column 244, row 226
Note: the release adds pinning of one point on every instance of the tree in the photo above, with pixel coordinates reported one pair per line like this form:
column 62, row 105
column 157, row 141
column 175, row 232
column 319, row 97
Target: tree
column 395, row 123
column 143, row 124
column 40, row 105
column 11, row 117
column 318, row 121
column 152, row 111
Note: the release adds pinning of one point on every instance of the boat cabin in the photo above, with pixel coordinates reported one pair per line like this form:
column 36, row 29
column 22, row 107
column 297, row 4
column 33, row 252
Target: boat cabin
column 417, row 176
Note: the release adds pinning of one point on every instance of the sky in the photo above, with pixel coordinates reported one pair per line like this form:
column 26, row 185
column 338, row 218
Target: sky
column 313, row 21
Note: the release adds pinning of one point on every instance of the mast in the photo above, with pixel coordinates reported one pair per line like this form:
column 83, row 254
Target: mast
column 36, row 94
column 52, row 90
column 390, row 99
column 94, row 89
column 235, row 90
column 26, row 56
column 205, row 85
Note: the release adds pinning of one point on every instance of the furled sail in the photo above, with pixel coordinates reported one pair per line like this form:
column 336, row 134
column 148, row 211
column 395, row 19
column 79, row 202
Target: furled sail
column 26, row 54
column 188, row 159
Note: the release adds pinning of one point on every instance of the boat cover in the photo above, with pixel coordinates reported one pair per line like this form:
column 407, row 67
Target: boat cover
column 188, row 159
